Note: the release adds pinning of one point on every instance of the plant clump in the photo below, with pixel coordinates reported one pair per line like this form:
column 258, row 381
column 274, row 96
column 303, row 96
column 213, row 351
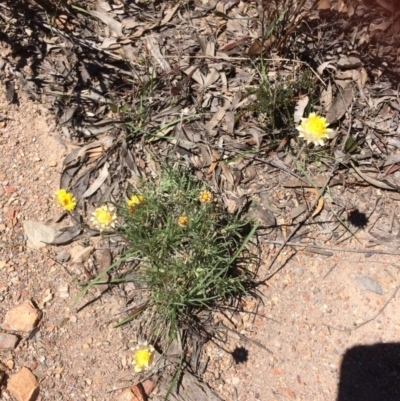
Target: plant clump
column 188, row 248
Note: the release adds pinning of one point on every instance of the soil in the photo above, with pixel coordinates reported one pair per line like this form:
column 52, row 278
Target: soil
column 310, row 321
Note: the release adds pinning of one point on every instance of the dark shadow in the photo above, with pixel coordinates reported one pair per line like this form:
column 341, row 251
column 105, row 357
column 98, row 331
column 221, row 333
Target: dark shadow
column 240, row 355
column 357, row 219
column 370, row 373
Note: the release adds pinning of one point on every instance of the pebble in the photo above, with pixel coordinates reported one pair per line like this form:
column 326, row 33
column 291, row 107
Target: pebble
column 39, row 234
column 63, row 256
column 8, row 341
column 23, row 385
column 23, row 317
column 53, row 163
column 79, row 254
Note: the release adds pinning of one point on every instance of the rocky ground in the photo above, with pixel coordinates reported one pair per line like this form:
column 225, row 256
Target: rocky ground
column 307, row 322
column 323, row 326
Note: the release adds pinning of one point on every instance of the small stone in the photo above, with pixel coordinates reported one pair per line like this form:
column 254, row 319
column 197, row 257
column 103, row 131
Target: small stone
column 367, row 283
column 10, row 214
column 8, row 341
column 148, row 386
column 88, row 381
column 23, row 317
column 10, row 190
column 53, row 163
column 40, row 234
column 235, row 381
column 79, row 254
column 23, row 385
column 63, row 291
column 63, row 256
column 126, row 395
column 2, row 263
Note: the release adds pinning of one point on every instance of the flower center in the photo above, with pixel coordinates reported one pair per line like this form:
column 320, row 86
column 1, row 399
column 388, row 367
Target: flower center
column 142, row 358
column 103, row 216
column 316, row 125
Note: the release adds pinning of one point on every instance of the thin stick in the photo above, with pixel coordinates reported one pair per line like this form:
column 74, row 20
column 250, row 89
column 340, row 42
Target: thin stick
column 380, row 310
column 334, row 248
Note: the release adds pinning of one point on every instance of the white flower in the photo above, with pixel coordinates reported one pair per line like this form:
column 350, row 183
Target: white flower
column 104, row 217
column 314, row 129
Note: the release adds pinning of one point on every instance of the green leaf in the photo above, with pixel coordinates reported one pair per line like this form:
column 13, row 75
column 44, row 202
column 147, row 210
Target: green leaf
column 113, row 107
column 124, row 108
column 351, row 145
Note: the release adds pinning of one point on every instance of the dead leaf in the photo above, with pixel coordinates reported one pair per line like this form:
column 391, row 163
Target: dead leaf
column 207, row 47
column 154, row 48
column 97, row 182
column 214, row 162
column 114, row 25
column 218, row 116
column 227, row 173
column 299, row 109
column 324, row 5
column 324, row 65
column 374, row 181
column 320, row 204
column 326, row 97
column 340, row 105
column 67, row 235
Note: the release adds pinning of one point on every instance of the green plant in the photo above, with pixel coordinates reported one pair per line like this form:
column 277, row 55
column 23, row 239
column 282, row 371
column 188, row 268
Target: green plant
column 276, row 101
column 187, row 248
column 184, row 251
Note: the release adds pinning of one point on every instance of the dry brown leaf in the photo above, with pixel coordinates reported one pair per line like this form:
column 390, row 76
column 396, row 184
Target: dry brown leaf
column 373, row 181
column 218, row 116
column 340, row 105
column 388, row 5
column 299, row 109
column 103, row 174
column 320, row 204
column 326, row 97
column 227, row 173
column 324, row 5
column 154, row 48
column 214, row 162
column 324, row 65
column 114, row 25
column 170, row 13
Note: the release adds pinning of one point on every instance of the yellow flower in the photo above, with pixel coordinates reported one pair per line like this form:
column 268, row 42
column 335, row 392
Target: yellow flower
column 314, row 129
column 104, row 217
column 65, row 199
column 143, row 357
column 205, row 196
column 133, row 201
column 183, row 221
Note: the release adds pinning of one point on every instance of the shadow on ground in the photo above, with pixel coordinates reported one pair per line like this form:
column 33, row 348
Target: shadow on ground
column 370, row 373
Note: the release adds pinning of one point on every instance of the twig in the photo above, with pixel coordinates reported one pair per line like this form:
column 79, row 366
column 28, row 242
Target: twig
column 330, row 271
column 243, row 337
column 380, row 310
column 334, row 248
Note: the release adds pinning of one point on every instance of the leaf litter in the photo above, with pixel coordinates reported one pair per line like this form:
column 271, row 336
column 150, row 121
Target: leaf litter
column 129, row 83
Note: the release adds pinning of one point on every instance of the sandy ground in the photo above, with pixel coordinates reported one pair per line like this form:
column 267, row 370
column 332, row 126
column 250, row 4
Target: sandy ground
column 308, row 320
